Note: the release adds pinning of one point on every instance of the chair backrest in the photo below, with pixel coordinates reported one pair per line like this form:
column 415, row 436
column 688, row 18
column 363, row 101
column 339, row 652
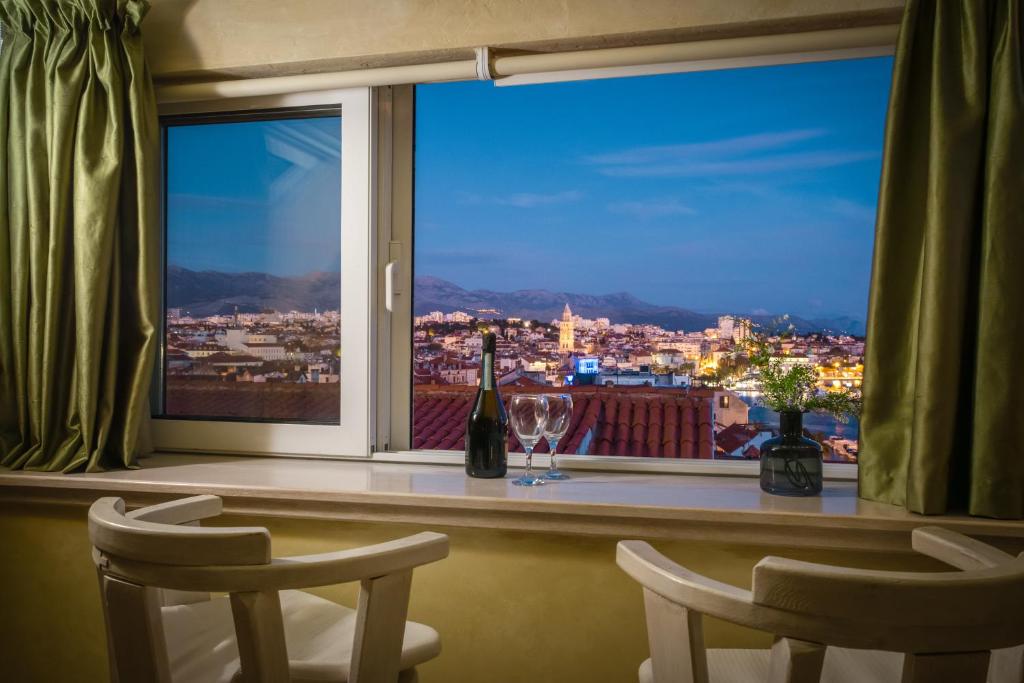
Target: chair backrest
column 942, row 621
column 162, row 534
column 155, row 540
column 159, row 555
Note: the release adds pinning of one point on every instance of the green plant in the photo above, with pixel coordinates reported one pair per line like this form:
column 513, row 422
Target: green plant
column 792, row 386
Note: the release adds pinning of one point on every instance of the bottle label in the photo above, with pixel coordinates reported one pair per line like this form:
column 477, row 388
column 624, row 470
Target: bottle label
column 487, row 378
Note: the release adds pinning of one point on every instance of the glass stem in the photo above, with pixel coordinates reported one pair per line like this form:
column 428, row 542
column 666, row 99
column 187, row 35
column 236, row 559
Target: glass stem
column 529, row 462
column 554, row 446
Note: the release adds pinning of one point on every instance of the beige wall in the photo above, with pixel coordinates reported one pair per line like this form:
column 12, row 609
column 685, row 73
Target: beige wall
column 510, row 607
column 186, row 38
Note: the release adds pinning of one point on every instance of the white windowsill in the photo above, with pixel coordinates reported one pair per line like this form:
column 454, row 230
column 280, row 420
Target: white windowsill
column 833, row 471
column 732, row 468
column 611, row 504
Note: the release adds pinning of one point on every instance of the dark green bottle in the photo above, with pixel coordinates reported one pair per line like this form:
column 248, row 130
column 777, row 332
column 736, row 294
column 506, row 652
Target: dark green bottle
column 487, row 426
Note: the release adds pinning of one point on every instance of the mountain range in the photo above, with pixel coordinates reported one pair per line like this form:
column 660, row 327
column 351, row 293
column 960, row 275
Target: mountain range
column 209, row 292
column 435, row 294
column 203, row 293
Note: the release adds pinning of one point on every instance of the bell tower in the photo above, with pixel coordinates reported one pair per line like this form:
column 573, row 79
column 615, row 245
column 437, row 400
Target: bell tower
column 566, row 333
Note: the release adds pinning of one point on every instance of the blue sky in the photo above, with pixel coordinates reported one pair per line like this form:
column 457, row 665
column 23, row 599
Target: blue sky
column 255, row 196
column 744, row 191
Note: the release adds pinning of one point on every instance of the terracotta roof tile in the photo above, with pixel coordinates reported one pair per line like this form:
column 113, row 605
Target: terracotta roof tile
column 627, row 421
column 654, row 418
column 203, row 397
column 734, row 436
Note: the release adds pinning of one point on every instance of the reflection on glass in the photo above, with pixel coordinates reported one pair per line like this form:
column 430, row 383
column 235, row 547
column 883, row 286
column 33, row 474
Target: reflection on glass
column 253, row 288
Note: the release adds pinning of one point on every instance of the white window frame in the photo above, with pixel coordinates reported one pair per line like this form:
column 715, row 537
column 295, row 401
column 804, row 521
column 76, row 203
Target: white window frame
column 401, row 337
column 353, row 437
column 377, row 224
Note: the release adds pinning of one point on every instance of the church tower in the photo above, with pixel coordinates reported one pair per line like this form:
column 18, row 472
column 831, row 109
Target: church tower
column 566, row 333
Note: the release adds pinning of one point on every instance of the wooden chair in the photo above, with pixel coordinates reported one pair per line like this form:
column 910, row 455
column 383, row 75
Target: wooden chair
column 837, row 624
column 157, row 568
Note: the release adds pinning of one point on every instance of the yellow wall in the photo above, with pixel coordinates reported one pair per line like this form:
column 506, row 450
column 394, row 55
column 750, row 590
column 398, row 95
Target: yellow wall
column 509, row 606
column 254, row 37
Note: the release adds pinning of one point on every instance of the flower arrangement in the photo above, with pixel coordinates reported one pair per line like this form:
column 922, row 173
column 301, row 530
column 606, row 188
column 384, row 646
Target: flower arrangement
column 790, row 387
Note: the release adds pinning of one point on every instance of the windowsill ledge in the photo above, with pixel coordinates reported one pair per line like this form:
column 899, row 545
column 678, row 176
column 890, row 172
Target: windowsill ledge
column 620, row 505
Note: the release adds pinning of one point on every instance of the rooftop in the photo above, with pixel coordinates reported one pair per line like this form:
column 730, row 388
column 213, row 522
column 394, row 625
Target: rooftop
column 628, row 421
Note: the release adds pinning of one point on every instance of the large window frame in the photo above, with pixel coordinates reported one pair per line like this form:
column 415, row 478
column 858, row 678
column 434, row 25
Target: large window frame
column 377, row 206
column 353, row 437
column 401, row 334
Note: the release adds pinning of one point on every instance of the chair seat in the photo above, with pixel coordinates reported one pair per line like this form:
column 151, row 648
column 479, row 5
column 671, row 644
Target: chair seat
column 841, row 666
column 319, row 635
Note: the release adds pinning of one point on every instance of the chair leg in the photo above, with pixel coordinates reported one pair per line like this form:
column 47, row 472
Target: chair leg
column 259, row 627
column 957, row 667
column 796, row 661
column 676, row 638
column 135, row 632
column 380, row 628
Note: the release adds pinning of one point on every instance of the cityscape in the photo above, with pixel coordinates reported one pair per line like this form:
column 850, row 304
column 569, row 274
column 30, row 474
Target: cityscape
column 254, row 366
column 604, row 355
column 274, row 366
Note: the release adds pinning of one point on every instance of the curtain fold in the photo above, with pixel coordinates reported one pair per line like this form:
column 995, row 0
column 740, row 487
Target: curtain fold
column 943, row 367
column 79, row 234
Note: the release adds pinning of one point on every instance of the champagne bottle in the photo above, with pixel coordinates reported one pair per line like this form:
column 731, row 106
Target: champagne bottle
column 487, row 426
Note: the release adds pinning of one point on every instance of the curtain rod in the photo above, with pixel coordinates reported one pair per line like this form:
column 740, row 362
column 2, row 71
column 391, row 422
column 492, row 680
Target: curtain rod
column 520, row 65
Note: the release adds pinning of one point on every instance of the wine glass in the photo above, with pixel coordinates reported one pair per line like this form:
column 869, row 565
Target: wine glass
column 559, row 416
column 528, row 415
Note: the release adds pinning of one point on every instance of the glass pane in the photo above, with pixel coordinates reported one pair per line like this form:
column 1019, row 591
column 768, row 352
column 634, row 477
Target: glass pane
column 619, row 234
column 253, row 283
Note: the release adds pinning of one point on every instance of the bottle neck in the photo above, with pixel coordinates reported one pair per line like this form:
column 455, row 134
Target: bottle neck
column 487, row 372
column 791, row 423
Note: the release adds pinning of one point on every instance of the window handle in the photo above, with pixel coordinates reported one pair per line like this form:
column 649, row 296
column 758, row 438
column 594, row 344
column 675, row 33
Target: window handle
column 389, row 285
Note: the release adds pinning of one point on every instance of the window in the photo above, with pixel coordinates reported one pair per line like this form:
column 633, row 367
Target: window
column 253, row 277
column 266, row 287
column 623, row 235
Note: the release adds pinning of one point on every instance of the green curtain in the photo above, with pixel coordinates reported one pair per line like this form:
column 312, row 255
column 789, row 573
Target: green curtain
column 943, row 408
column 79, row 234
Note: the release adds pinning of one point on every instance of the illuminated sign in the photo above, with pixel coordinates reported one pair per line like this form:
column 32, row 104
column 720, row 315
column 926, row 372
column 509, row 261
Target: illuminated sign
column 587, row 366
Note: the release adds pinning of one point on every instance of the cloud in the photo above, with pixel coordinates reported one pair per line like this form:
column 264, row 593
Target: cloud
column 524, row 200
column 726, row 146
column 760, row 154
column 855, row 211
column 768, row 164
column 456, row 254
column 472, row 255
column 652, row 208
column 529, row 200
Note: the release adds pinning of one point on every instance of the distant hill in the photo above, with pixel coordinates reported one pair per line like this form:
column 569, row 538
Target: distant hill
column 208, row 292
column 435, row 294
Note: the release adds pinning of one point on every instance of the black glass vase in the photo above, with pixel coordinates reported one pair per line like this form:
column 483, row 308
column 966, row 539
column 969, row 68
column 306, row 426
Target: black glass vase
column 791, row 463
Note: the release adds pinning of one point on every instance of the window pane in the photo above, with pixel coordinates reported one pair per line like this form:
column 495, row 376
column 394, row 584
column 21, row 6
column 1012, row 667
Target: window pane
column 619, row 234
column 253, row 282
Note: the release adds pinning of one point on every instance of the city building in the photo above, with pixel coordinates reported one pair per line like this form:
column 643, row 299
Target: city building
column 566, row 332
